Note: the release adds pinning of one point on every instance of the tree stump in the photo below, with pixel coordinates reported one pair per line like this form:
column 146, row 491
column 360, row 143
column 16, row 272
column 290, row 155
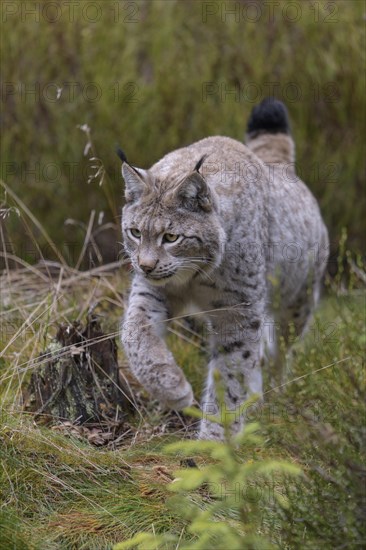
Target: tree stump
column 77, row 379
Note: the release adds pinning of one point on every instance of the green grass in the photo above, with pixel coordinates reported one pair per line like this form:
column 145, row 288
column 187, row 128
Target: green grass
column 60, row 492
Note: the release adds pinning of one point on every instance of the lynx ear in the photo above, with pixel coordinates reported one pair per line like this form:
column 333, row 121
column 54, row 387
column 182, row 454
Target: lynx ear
column 135, row 182
column 195, row 193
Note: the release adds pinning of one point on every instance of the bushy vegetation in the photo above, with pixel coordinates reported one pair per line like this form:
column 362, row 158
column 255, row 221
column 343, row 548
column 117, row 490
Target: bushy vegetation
column 229, row 516
column 153, row 76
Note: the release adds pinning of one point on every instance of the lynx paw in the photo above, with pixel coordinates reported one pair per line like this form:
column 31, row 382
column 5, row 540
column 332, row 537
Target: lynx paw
column 172, row 388
column 184, row 398
column 211, row 431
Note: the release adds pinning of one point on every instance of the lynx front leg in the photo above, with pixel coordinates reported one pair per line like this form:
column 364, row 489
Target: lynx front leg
column 150, row 360
column 236, row 355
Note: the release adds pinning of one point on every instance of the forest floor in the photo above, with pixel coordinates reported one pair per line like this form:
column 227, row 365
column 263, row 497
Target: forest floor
column 63, row 488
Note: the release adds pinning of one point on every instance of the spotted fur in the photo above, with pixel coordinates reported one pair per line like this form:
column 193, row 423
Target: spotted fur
column 251, row 252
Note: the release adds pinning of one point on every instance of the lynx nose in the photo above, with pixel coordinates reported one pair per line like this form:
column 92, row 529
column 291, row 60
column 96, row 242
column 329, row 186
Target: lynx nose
column 147, row 265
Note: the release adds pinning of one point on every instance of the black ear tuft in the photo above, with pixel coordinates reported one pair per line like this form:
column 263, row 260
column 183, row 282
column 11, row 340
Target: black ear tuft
column 270, row 116
column 199, row 163
column 123, row 158
column 121, row 154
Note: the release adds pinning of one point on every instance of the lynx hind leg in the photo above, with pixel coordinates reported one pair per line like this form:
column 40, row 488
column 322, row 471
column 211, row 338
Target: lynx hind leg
column 292, row 325
column 273, row 358
column 301, row 311
column 268, row 344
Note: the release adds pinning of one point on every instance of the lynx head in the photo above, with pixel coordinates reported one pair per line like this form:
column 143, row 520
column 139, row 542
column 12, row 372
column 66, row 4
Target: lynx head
column 171, row 228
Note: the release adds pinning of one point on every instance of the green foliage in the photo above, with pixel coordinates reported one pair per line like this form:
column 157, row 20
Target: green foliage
column 324, row 430
column 230, row 517
column 165, row 76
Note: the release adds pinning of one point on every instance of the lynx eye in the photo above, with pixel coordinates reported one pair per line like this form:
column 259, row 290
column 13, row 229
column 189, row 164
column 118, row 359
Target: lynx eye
column 135, row 232
column 170, row 237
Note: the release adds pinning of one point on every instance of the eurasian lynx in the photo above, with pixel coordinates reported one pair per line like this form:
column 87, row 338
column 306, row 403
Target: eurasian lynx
column 233, row 231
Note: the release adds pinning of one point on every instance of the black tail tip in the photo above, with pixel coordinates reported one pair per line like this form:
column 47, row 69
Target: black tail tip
column 270, row 116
